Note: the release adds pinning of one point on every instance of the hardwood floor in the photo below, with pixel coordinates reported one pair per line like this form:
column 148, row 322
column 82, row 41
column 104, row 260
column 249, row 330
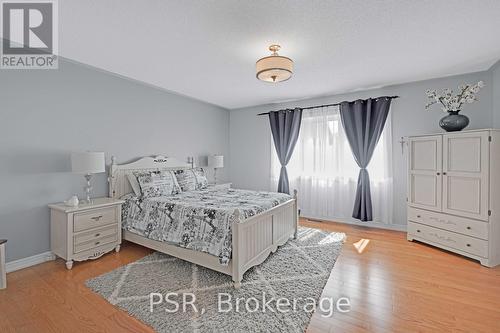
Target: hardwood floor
column 393, row 285
column 400, row 286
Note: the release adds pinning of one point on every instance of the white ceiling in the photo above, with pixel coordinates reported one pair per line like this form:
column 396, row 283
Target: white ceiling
column 207, row 49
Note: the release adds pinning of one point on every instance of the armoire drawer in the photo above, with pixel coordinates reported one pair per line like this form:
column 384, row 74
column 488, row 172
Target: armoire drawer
column 461, row 225
column 460, row 242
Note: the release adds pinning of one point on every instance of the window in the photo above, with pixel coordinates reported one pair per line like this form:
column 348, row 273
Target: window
column 325, row 173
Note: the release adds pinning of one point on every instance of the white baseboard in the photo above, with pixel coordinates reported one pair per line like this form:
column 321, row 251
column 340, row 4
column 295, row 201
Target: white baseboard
column 396, row 227
column 15, row 265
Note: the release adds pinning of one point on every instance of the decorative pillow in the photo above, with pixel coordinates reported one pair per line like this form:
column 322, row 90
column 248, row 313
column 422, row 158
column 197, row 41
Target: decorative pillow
column 157, row 183
column 191, row 179
column 132, row 179
column 201, row 177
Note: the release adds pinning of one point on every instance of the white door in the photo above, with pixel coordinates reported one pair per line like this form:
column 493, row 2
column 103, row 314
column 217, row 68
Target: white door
column 424, row 172
column 465, row 174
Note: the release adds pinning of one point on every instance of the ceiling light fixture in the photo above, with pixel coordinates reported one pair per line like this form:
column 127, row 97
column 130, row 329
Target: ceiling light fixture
column 274, row 68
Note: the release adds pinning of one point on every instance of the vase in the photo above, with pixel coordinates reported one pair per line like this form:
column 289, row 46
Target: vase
column 454, row 121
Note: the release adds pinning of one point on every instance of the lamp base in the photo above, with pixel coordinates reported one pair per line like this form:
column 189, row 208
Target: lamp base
column 88, row 189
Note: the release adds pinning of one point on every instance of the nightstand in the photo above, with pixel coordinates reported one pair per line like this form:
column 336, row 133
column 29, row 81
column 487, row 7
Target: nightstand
column 220, row 186
column 3, row 271
column 87, row 231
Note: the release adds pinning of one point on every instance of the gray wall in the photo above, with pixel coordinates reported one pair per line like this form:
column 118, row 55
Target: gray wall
column 495, row 74
column 250, row 143
column 46, row 114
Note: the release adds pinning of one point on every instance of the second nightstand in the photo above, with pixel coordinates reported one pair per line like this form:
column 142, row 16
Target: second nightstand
column 87, row 231
column 220, row 186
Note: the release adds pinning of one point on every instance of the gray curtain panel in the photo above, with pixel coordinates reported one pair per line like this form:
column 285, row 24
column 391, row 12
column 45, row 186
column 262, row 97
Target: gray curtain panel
column 363, row 122
column 285, row 127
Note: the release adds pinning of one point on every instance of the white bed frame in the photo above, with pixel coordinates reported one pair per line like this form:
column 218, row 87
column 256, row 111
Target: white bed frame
column 253, row 238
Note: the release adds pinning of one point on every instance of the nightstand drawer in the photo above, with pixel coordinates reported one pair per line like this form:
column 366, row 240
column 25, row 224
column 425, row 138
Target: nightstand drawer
column 94, row 218
column 95, row 234
column 94, row 243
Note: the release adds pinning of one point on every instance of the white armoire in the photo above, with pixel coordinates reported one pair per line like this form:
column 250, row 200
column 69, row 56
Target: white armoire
column 454, row 192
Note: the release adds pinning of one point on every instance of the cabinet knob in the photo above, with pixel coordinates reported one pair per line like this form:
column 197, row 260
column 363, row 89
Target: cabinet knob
column 444, row 173
column 418, row 230
column 468, row 245
column 419, row 216
column 438, row 173
column 97, row 243
column 468, row 228
column 96, row 218
column 97, row 235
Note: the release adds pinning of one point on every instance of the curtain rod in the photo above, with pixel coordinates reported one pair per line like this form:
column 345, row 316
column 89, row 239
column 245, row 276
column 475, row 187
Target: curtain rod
column 326, row 105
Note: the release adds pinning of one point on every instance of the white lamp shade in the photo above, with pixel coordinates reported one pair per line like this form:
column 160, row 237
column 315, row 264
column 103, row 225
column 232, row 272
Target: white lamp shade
column 88, row 162
column 274, row 68
column 216, row 161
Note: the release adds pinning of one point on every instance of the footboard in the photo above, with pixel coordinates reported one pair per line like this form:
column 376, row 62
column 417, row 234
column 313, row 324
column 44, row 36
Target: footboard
column 255, row 238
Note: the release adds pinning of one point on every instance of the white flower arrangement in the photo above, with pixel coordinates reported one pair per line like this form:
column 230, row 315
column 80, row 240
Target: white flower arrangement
column 453, row 103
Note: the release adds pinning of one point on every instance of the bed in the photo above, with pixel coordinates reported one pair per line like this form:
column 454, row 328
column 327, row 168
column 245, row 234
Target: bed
column 249, row 225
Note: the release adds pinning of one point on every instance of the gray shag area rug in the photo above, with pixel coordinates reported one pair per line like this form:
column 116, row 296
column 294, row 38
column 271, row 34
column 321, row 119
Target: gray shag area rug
column 297, row 271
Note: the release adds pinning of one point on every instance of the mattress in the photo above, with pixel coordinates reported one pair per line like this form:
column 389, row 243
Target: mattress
column 197, row 220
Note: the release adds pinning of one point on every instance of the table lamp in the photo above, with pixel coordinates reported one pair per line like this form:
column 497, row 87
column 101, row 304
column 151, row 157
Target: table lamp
column 88, row 163
column 216, row 162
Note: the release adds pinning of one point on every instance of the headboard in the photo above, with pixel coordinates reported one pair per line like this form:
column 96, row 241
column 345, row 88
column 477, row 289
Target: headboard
column 118, row 182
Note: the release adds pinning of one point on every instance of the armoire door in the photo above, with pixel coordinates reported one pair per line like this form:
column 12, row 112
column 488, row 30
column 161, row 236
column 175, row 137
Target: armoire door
column 424, row 172
column 465, row 174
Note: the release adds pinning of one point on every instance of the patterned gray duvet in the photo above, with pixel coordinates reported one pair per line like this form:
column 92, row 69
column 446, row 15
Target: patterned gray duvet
column 197, row 220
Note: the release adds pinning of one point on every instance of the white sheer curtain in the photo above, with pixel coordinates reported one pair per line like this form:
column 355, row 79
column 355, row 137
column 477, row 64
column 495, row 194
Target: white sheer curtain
column 324, row 172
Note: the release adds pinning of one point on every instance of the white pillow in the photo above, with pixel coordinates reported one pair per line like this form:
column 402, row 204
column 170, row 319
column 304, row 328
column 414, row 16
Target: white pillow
column 132, row 179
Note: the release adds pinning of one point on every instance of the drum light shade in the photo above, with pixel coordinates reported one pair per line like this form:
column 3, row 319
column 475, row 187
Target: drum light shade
column 88, row 162
column 216, row 161
column 274, row 68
